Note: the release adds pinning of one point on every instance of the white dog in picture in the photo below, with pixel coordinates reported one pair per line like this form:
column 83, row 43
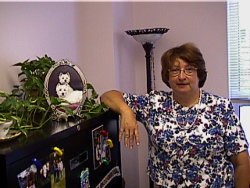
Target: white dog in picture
column 64, row 78
column 63, row 91
column 66, row 92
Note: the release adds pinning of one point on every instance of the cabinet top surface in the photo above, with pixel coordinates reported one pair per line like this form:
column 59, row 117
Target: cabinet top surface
column 49, row 133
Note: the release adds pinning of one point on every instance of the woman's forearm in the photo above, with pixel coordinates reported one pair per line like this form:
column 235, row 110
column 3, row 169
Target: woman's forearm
column 242, row 177
column 114, row 100
column 241, row 169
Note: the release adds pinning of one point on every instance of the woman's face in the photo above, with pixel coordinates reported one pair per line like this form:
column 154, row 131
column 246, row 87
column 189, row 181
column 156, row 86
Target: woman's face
column 183, row 83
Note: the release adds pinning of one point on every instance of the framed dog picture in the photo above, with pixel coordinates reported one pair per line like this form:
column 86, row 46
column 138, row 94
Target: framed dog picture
column 65, row 81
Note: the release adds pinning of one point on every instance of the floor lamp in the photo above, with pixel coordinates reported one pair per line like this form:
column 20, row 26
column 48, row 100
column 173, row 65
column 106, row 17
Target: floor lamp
column 147, row 37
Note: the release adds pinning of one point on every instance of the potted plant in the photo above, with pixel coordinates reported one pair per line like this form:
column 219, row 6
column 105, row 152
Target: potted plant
column 27, row 107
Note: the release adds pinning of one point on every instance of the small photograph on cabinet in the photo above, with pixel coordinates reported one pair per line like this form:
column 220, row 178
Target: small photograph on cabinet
column 101, row 149
column 44, row 174
column 57, row 169
column 96, row 141
column 28, row 177
column 84, row 178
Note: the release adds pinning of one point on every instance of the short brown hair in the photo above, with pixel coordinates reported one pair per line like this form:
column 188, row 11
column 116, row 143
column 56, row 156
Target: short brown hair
column 189, row 53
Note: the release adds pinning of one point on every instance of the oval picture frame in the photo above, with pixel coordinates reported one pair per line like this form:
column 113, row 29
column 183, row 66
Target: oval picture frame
column 65, row 80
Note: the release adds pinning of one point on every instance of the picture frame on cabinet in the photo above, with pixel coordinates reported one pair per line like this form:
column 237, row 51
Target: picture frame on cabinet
column 67, row 82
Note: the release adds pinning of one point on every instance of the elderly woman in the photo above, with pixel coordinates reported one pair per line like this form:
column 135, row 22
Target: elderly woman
column 195, row 138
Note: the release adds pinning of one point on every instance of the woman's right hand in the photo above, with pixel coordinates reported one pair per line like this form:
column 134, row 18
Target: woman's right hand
column 129, row 128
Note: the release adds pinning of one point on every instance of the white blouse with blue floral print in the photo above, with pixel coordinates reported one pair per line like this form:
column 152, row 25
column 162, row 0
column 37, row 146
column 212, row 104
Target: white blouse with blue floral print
column 189, row 147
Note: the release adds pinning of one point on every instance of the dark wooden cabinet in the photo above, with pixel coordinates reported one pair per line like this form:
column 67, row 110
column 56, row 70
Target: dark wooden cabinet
column 76, row 140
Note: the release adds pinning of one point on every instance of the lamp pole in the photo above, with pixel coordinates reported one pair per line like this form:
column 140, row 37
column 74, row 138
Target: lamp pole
column 148, row 48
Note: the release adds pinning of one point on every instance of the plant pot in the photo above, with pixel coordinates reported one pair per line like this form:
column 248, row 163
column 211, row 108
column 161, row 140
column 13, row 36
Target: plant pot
column 4, row 129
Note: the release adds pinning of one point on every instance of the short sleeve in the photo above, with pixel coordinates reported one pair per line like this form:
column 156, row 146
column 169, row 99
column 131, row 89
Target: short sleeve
column 235, row 139
column 139, row 104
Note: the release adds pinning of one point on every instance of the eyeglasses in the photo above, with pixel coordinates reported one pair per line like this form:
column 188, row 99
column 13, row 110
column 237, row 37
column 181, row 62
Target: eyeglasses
column 177, row 71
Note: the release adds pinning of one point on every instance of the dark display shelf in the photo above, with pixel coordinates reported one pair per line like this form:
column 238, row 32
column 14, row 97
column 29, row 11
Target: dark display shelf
column 75, row 138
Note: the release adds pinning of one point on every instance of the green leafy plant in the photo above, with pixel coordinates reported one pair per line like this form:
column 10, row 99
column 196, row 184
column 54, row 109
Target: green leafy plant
column 33, row 74
column 27, row 106
column 23, row 113
column 91, row 106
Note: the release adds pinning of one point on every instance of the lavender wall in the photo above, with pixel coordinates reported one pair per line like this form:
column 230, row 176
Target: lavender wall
column 34, row 29
column 125, row 79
